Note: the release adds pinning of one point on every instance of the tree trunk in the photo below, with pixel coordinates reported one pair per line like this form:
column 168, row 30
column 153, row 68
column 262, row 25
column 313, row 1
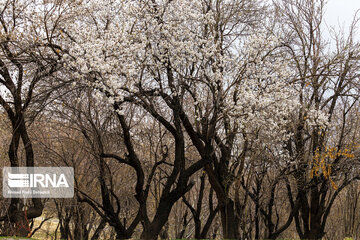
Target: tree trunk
column 121, row 235
column 19, row 218
column 152, row 231
column 229, row 221
column 315, row 233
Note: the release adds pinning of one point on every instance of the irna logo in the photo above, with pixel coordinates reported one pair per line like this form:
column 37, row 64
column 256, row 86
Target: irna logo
column 36, row 180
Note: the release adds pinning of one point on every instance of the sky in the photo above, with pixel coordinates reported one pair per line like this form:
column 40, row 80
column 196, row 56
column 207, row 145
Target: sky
column 341, row 12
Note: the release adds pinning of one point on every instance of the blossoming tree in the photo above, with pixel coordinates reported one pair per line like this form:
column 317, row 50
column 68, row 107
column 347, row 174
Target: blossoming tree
column 193, row 67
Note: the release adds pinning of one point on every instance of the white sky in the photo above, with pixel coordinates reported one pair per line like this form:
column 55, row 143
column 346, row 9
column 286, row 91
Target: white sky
column 341, row 12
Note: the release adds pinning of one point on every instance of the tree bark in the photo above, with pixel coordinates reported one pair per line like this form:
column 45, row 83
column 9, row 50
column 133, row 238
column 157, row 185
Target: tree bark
column 228, row 220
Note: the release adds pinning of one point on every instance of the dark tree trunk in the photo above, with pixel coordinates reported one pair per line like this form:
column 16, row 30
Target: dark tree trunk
column 312, row 213
column 228, row 220
column 153, row 230
column 17, row 217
